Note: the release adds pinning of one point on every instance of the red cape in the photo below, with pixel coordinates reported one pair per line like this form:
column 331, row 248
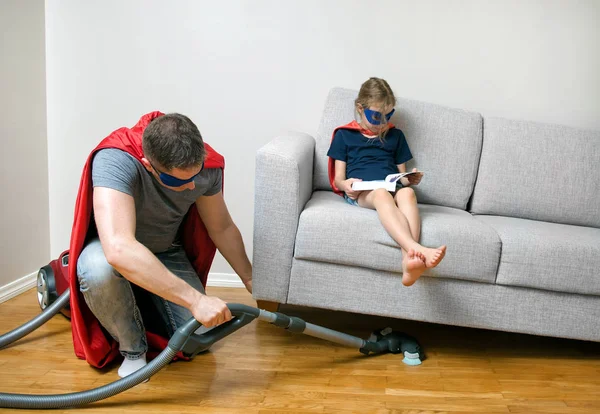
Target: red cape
column 89, row 339
column 353, row 126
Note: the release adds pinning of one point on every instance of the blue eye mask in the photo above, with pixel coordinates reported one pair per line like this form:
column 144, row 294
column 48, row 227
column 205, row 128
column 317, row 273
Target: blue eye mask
column 375, row 117
column 171, row 181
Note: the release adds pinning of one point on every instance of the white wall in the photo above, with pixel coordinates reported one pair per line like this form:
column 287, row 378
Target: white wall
column 245, row 71
column 24, row 218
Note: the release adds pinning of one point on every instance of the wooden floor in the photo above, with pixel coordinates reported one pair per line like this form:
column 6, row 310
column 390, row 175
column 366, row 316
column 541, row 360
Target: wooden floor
column 264, row 369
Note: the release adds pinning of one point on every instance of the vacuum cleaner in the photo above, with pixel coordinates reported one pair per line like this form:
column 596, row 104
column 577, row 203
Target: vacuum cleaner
column 186, row 340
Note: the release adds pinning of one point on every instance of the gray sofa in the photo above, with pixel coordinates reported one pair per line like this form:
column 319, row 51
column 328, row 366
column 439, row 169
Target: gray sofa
column 517, row 203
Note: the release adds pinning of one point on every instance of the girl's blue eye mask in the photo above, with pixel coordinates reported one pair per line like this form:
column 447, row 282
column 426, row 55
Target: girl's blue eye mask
column 375, row 117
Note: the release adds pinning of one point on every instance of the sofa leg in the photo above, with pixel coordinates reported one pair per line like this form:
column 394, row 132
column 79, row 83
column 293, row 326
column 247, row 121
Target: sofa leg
column 268, row 306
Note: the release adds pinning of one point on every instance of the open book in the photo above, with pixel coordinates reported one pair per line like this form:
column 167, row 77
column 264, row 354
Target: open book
column 390, row 183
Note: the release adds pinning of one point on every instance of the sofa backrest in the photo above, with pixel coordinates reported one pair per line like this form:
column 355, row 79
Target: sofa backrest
column 445, row 143
column 540, row 172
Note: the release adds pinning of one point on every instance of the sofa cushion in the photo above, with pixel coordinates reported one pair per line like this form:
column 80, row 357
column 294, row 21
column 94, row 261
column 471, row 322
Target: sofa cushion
column 445, row 143
column 540, row 172
column 331, row 230
column 548, row 256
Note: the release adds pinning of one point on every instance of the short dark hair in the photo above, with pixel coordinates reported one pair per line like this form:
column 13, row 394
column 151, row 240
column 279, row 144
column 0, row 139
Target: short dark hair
column 173, row 141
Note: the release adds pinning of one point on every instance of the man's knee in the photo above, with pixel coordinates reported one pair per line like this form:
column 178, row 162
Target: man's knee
column 93, row 270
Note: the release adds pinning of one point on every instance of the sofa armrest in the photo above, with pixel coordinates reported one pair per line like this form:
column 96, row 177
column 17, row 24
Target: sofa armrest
column 283, row 185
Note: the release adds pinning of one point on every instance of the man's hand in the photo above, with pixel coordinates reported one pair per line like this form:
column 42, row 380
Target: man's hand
column 347, row 188
column 210, row 311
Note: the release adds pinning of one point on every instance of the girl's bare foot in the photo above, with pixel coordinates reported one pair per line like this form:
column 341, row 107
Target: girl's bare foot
column 433, row 257
column 413, row 266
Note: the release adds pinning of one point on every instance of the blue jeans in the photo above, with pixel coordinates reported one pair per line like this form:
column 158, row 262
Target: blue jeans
column 112, row 298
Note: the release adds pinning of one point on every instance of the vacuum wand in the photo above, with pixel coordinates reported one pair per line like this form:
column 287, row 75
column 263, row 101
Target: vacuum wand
column 381, row 341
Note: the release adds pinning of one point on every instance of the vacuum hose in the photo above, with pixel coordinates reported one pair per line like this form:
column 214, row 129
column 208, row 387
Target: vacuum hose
column 86, row 397
column 183, row 339
column 32, row 325
column 77, row 398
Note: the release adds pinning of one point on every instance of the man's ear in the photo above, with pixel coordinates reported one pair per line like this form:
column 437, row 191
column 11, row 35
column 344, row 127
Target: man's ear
column 146, row 164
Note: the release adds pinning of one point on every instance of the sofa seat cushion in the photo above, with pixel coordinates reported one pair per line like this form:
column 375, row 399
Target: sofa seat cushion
column 550, row 256
column 330, row 230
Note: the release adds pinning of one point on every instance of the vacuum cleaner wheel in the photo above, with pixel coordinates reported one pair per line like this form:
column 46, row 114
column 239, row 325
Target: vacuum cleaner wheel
column 46, row 288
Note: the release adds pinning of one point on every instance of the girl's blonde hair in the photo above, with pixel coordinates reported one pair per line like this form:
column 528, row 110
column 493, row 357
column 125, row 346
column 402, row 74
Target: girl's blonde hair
column 375, row 91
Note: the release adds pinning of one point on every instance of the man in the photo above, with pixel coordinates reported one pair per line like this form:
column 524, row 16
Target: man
column 141, row 197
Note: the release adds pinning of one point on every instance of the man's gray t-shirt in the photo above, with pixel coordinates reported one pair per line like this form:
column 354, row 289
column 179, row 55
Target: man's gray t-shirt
column 159, row 210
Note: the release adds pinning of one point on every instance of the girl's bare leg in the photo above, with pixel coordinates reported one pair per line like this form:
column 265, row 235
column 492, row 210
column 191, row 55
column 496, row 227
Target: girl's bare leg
column 407, row 205
column 397, row 226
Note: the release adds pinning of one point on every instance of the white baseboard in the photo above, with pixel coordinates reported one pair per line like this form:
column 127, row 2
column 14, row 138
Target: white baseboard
column 224, row 280
column 27, row 282
column 17, row 287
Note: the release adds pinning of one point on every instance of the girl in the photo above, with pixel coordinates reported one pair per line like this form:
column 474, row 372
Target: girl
column 370, row 150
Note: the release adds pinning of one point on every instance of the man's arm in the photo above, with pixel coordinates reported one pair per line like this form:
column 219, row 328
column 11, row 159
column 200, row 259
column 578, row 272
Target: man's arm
column 115, row 219
column 225, row 234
